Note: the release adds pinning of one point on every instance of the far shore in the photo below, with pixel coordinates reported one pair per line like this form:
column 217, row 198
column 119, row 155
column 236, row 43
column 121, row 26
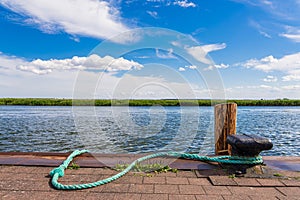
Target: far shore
column 143, row 102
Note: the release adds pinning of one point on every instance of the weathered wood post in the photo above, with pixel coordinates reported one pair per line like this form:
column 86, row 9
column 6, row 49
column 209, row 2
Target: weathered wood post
column 225, row 124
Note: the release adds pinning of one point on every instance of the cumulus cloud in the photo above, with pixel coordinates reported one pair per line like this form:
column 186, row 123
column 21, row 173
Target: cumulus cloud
column 288, row 64
column 94, row 18
column 270, row 63
column 10, row 61
column 185, row 4
column 200, row 52
column 95, row 62
column 270, row 79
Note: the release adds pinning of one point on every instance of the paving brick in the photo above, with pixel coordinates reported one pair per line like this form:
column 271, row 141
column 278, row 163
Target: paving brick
column 256, row 197
column 130, row 179
column 270, row 182
column 177, row 180
column 262, row 191
column 246, row 182
column 292, row 183
column 29, row 195
column 2, row 193
column 132, row 196
column 42, row 170
column 66, row 195
column 101, row 171
column 191, row 189
column 97, row 189
column 82, row 178
column 115, row 187
column 209, row 197
column 199, row 181
column 293, row 197
column 18, row 169
column 222, row 180
column 216, row 190
column 139, row 188
column 168, row 174
column 154, row 196
column 237, row 197
column 289, row 191
column 181, row 197
column 97, row 196
column 88, row 171
column 186, row 174
column 166, row 189
column 151, row 180
column 26, row 185
column 21, row 176
column 206, row 173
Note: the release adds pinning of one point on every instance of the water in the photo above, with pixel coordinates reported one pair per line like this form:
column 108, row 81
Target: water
column 139, row 129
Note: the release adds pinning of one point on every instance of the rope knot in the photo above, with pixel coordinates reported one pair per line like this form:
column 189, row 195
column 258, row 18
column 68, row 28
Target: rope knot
column 59, row 170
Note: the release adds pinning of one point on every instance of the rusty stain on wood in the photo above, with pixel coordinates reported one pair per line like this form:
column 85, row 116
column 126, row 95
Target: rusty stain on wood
column 225, row 124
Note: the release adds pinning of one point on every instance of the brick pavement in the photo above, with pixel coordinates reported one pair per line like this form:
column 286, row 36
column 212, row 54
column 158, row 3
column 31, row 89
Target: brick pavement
column 17, row 182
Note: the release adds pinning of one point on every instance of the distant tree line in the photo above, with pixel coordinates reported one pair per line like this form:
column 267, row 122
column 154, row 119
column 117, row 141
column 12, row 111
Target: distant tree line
column 142, row 102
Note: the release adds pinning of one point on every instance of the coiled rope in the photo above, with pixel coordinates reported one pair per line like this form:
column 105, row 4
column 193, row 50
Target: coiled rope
column 60, row 171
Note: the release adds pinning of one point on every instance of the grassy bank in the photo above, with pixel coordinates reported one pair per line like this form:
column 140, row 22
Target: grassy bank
column 141, row 102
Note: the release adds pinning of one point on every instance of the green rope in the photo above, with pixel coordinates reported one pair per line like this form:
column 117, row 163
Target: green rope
column 59, row 171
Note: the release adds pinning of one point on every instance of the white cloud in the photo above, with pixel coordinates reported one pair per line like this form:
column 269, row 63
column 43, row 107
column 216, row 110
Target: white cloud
column 261, row 30
column 95, row 62
column 192, row 67
column 184, row 4
column 212, row 67
column 270, row 79
column 10, row 61
column 291, row 77
column 181, row 69
column 200, row 52
column 294, row 37
column 292, row 33
column 291, row 87
column 282, row 10
column 95, row 18
column 165, row 55
column 60, row 83
column 222, row 66
column 213, row 47
column 288, row 64
column 285, row 64
column 153, row 14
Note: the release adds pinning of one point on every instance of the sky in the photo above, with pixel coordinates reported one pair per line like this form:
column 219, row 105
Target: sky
column 233, row 49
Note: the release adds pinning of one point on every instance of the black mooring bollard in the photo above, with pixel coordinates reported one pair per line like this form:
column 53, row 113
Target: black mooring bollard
column 248, row 145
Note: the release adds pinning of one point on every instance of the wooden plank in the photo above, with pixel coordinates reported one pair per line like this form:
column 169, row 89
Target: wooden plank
column 225, row 124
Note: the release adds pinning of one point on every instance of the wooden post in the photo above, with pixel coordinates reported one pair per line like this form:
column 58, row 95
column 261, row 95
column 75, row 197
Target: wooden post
column 225, row 124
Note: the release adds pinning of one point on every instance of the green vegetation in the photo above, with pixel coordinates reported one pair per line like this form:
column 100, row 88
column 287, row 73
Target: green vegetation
column 278, row 175
column 157, row 168
column 142, row 102
column 73, row 166
column 231, row 176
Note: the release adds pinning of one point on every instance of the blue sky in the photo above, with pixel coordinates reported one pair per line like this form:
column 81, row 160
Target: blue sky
column 244, row 49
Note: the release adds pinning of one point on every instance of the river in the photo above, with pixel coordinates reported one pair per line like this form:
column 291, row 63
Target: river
column 139, row 129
